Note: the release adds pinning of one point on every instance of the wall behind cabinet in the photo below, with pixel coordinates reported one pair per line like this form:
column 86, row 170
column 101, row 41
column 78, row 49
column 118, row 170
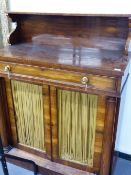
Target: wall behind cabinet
column 123, row 140
column 72, row 6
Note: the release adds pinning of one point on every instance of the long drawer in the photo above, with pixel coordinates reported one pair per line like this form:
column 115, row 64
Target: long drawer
column 69, row 78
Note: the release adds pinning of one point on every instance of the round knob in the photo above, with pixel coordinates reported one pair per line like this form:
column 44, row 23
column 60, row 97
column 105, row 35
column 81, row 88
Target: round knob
column 7, row 68
column 84, row 80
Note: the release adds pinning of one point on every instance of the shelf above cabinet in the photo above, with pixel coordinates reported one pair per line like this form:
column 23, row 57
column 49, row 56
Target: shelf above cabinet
column 72, row 14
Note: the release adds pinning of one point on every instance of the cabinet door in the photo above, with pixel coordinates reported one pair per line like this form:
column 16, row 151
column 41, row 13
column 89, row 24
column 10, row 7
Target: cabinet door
column 29, row 113
column 77, row 128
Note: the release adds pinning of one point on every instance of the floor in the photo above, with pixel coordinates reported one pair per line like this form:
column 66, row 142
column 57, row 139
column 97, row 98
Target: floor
column 15, row 170
column 122, row 167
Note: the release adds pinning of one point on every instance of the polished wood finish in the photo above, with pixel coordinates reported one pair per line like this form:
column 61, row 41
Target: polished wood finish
column 102, row 62
column 4, row 120
column 60, row 51
column 69, row 14
column 54, row 122
column 103, row 84
column 47, row 121
column 108, row 135
column 11, row 110
column 46, row 166
column 80, row 39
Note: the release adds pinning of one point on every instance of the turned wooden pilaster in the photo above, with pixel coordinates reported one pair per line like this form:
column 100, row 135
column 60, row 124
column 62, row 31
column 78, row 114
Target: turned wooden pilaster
column 108, row 142
column 4, row 124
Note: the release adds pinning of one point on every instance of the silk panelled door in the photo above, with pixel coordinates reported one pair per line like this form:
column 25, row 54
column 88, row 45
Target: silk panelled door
column 28, row 104
column 77, row 125
column 76, row 121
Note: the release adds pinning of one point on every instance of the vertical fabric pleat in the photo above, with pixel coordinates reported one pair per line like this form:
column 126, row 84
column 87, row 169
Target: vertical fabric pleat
column 77, row 124
column 28, row 104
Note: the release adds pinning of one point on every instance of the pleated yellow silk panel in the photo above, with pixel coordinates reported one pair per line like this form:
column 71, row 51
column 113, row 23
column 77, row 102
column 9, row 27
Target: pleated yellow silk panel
column 77, row 124
column 28, row 104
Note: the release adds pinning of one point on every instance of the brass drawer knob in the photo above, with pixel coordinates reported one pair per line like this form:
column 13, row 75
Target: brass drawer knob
column 84, row 80
column 7, row 68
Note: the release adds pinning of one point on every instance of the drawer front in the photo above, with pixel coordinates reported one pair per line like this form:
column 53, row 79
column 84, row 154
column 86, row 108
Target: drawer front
column 61, row 76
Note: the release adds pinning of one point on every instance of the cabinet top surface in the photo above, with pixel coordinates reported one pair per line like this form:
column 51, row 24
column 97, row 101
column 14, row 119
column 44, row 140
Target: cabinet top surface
column 90, row 60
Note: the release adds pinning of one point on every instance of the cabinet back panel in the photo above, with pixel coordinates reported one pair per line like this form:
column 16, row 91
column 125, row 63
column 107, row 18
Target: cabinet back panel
column 72, row 31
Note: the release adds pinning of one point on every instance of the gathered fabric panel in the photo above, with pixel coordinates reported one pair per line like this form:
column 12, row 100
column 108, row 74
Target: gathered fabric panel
column 77, row 124
column 28, row 104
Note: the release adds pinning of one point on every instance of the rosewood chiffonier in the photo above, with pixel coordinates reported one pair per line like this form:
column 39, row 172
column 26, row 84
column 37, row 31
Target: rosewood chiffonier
column 60, row 87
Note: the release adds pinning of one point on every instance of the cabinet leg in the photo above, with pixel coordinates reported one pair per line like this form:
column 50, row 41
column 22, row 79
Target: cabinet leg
column 4, row 166
column 2, row 159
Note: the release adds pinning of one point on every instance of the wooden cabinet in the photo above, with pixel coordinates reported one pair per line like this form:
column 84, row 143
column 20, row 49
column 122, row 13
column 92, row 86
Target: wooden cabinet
column 63, row 125
column 60, row 90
